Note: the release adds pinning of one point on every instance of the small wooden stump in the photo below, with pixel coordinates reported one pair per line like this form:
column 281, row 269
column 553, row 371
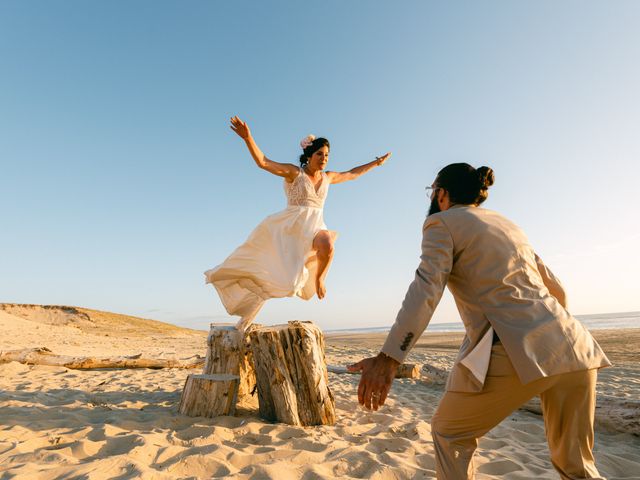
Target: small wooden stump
column 223, row 350
column 291, row 374
column 228, row 352
column 209, row 395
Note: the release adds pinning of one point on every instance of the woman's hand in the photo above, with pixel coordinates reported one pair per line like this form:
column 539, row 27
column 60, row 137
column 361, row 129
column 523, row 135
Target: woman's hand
column 240, row 128
column 285, row 170
column 383, row 158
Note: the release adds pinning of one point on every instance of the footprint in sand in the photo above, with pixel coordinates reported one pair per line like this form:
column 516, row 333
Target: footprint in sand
column 195, row 466
column 268, row 472
column 241, row 459
column 426, row 461
column 194, row 432
column 375, row 418
column 491, row 444
column 358, row 464
column 120, row 445
column 291, row 432
column 264, row 449
column 255, row 439
column 267, row 429
column 499, row 467
column 308, row 445
column 229, row 422
column 381, row 445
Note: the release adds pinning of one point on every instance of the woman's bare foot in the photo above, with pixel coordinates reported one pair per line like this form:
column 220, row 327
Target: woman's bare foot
column 320, row 288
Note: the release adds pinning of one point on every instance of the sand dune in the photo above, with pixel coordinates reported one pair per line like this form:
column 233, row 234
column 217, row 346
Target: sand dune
column 92, row 321
column 80, row 331
column 57, row 423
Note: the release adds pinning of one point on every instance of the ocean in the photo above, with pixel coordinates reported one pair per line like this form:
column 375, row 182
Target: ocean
column 596, row 321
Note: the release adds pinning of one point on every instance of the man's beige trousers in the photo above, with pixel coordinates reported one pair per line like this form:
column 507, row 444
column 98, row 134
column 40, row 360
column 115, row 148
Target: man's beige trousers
column 568, row 406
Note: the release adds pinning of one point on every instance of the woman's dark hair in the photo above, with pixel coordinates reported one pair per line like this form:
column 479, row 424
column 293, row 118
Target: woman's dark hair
column 316, row 145
column 466, row 185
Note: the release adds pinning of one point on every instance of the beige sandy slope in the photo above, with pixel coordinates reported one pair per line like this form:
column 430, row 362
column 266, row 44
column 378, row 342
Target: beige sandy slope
column 92, row 321
column 59, row 423
column 79, row 331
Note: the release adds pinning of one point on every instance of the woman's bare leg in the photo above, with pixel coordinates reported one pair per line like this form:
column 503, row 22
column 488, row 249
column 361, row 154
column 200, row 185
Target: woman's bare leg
column 323, row 245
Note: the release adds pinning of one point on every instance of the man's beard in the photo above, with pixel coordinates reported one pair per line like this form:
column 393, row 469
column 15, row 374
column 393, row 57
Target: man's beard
column 434, row 207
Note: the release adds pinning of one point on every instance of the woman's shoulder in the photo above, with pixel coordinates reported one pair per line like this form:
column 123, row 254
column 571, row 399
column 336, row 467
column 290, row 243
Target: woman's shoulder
column 299, row 173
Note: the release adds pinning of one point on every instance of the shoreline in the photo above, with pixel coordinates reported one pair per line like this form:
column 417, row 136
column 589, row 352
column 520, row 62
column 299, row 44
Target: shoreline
column 620, row 345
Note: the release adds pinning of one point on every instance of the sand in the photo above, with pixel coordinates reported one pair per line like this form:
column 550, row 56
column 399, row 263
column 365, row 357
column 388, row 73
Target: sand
column 57, row 423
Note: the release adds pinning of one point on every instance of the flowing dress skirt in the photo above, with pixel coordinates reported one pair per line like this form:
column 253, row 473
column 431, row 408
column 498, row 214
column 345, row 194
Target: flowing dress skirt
column 277, row 260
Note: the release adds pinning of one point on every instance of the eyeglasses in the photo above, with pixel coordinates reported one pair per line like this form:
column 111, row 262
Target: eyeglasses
column 430, row 190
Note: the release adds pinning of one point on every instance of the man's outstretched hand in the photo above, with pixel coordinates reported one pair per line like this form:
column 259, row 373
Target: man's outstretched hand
column 377, row 375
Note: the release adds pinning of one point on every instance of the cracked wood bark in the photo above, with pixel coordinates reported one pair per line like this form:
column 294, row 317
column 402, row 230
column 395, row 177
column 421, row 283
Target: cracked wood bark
column 44, row 356
column 209, row 395
column 291, row 374
column 228, row 351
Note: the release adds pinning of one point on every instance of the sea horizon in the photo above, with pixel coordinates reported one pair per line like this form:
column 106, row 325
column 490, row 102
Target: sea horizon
column 594, row 321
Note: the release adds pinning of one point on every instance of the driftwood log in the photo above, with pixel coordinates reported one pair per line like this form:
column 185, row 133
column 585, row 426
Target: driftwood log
column 617, row 414
column 209, row 395
column 44, row 356
column 291, row 374
column 434, row 375
column 228, row 352
column 405, row 370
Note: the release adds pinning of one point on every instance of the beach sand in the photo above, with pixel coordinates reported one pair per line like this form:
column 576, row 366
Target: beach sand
column 57, row 423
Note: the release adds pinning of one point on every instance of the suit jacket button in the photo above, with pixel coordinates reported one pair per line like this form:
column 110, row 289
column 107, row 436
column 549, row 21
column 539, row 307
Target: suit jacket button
column 403, row 348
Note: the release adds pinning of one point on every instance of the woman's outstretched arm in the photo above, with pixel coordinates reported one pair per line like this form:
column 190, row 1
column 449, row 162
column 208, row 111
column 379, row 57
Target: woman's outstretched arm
column 338, row 177
column 286, row 170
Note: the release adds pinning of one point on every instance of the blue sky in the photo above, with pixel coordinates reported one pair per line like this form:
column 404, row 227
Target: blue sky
column 122, row 183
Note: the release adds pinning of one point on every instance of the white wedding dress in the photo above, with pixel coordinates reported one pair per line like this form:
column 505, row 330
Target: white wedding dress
column 277, row 260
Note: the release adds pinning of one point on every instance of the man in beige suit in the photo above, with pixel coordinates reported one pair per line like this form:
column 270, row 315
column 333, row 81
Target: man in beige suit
column 520, row 339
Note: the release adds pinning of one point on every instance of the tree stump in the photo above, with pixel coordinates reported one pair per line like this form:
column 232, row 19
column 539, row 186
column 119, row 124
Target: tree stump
column 228, row 352
column 209, row 395
column 291, row 374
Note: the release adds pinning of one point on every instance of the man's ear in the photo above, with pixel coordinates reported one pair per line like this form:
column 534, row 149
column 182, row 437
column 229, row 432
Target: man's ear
column 443, row 199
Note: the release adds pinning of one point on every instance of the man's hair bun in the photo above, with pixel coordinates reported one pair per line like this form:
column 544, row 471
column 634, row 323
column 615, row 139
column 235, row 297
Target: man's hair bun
column 486, row 176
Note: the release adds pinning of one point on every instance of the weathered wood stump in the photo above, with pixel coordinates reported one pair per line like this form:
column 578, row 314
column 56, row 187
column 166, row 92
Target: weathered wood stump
column 209, row 395
column 228, row 352
column 291, row 374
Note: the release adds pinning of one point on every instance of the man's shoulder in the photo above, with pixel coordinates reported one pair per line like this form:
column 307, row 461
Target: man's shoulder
column 465, row 211
column 466, row 215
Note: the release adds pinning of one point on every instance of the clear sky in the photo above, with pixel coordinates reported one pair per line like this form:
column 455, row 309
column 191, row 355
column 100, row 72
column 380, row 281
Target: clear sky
column 122, row 182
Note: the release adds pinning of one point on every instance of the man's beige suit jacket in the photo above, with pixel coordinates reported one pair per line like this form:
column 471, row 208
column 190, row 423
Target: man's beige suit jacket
column 498, row 282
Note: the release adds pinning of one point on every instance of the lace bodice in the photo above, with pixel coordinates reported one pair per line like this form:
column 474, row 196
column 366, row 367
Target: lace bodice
column 302, row 193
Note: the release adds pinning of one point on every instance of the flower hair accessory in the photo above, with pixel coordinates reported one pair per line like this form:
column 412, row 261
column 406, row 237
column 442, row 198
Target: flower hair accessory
column 307, row 141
